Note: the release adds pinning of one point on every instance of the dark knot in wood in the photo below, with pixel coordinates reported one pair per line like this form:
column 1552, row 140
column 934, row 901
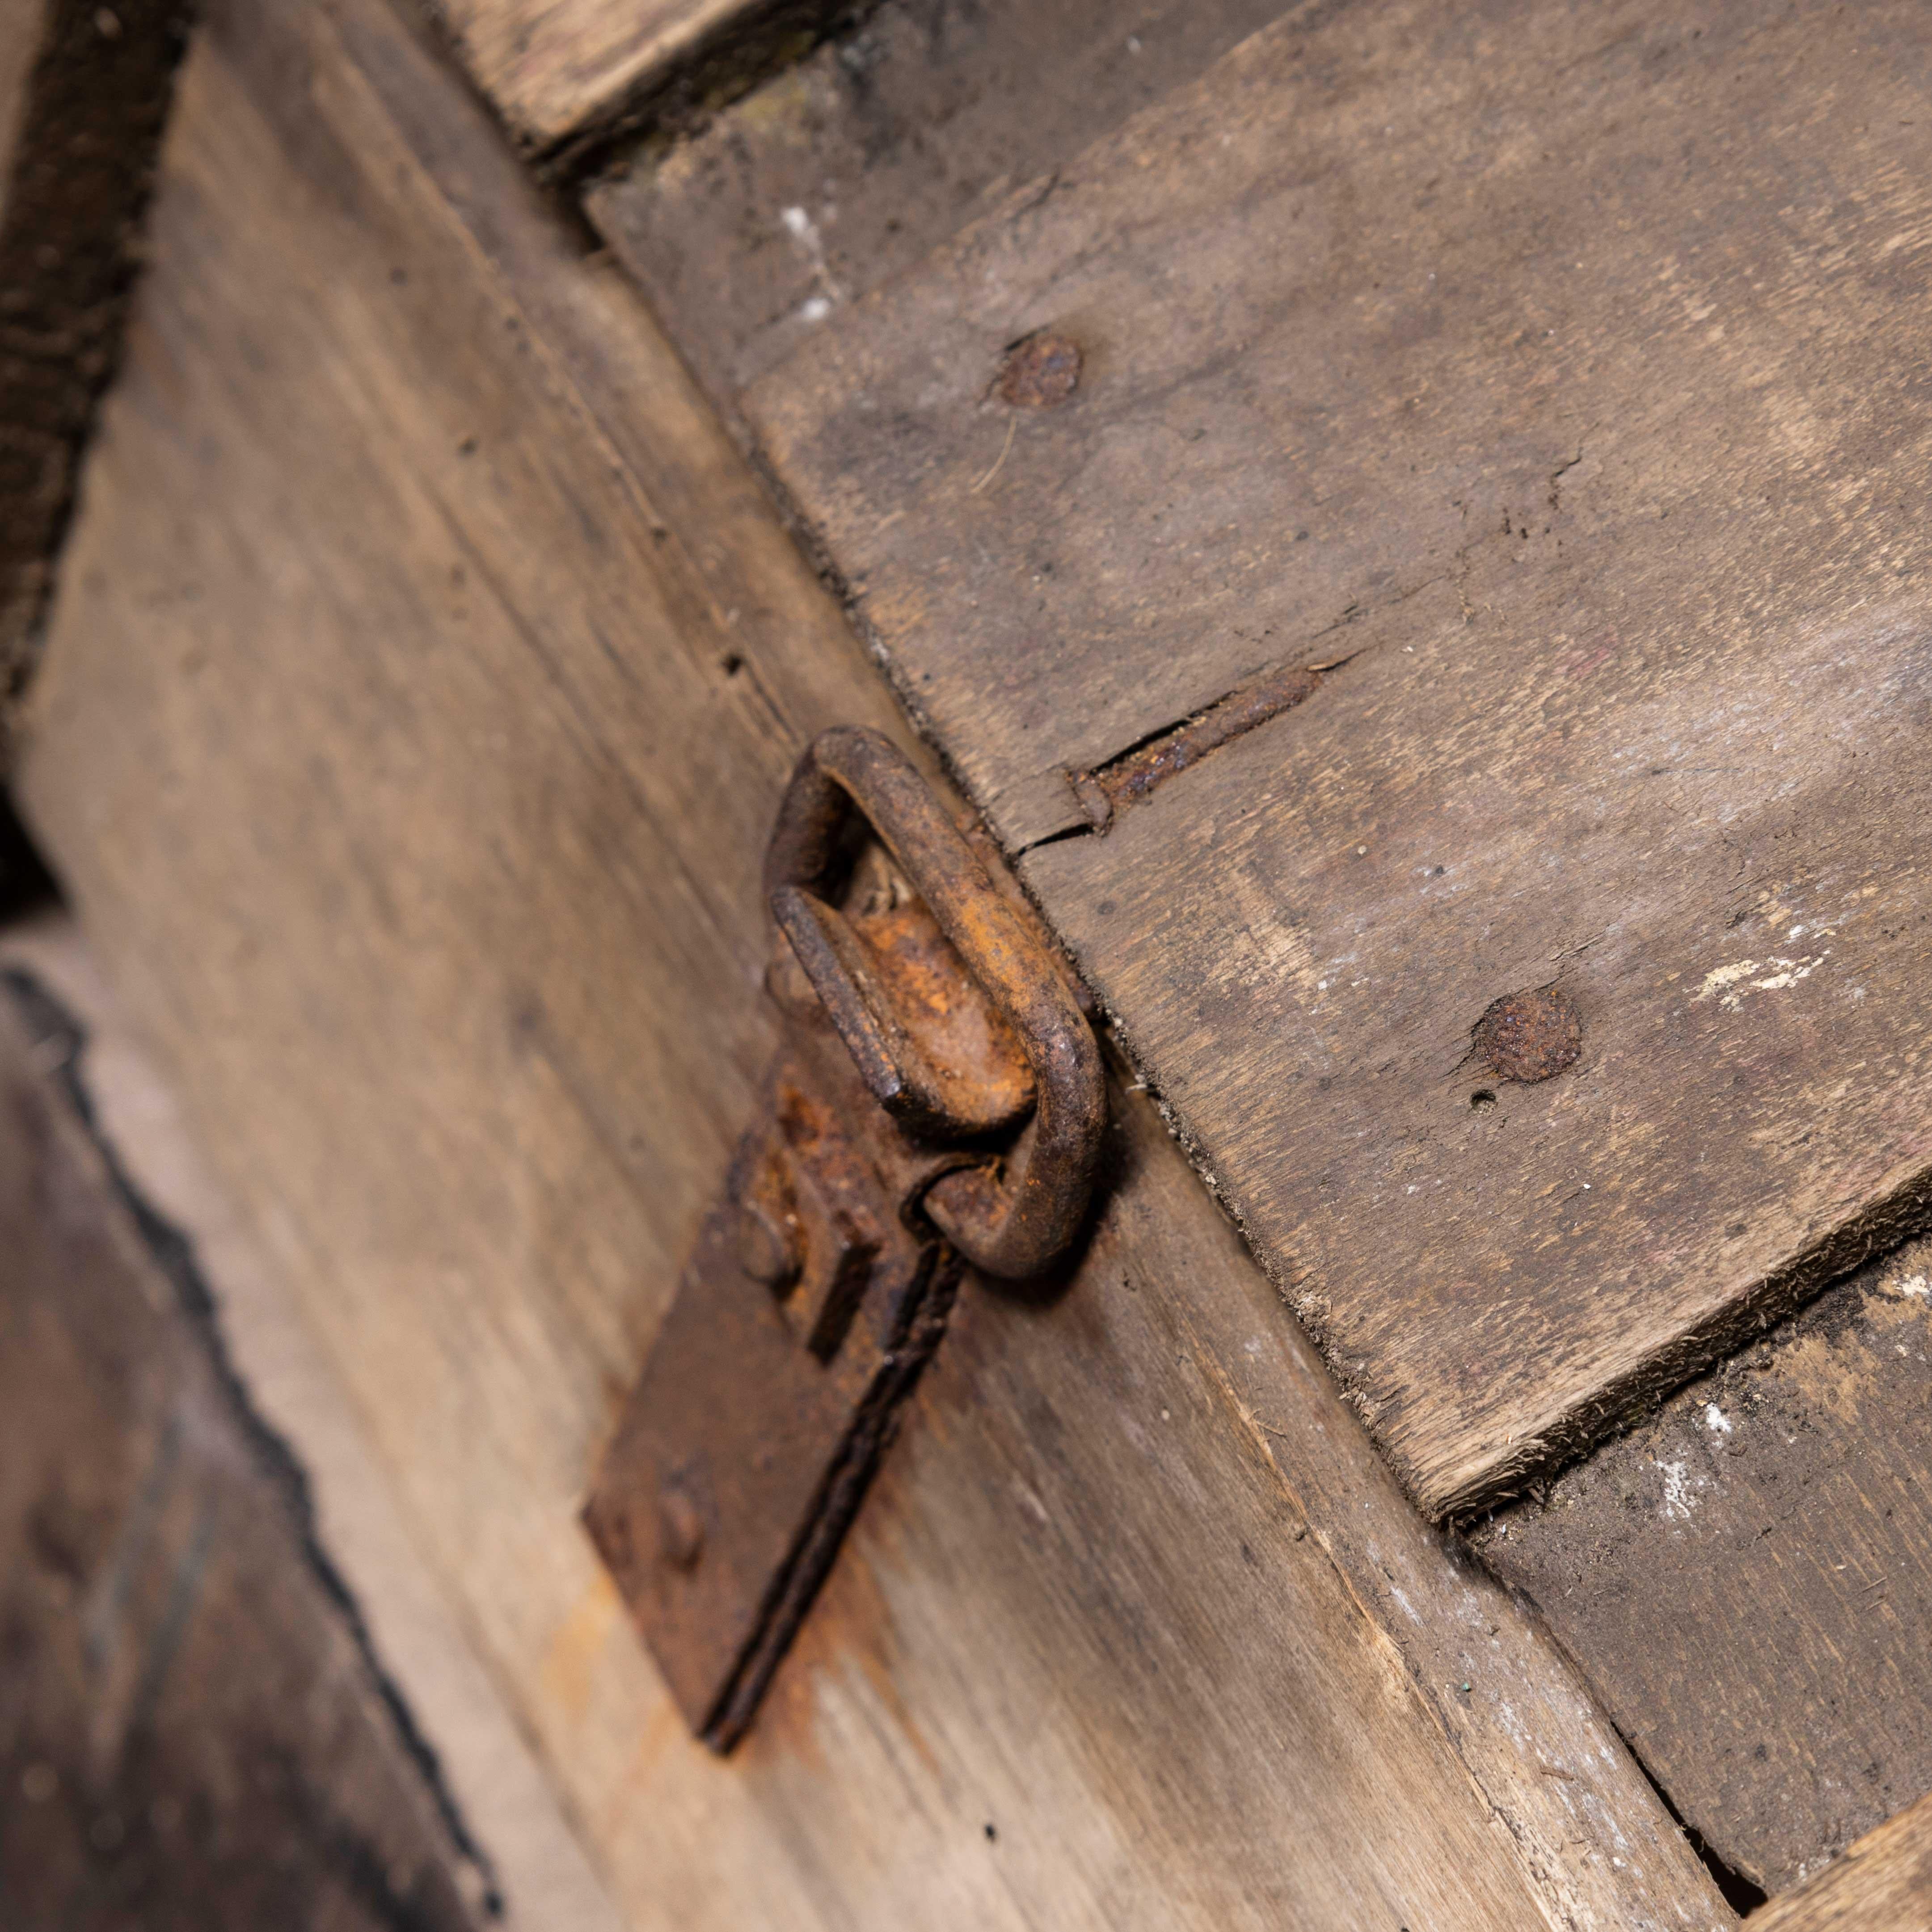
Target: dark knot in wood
column 1040, row 373
column 1530, row 1035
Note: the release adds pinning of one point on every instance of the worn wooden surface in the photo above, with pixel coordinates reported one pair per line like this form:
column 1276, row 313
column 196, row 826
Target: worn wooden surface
column 489, row 1773
column 1747, row 1578
column 426, row 672
column 1882, row 1884
column 84, row 94
column 1557, row 376
column 854, row 163
column 193, row 1732
column 559, row 72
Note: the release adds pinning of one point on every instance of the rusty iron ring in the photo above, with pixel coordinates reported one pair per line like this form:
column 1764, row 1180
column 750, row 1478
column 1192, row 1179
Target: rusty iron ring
column 1011, row 1222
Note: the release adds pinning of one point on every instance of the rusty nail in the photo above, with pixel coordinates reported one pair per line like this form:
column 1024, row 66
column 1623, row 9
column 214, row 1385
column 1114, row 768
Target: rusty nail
column 680, row 1527
column 1530, row 1035
column 766, row 1251
column 1090, row 794
column 1040, row 372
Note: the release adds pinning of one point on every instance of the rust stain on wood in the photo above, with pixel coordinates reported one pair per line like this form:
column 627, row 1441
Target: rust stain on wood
column 1138, row 773
column 1040, row 372
column 1531, row 1035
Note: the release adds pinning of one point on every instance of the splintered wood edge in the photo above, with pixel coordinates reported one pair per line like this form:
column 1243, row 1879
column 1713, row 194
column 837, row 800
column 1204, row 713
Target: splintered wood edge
column 1882, row 1884
column 1588, row 1421
column 565, row 102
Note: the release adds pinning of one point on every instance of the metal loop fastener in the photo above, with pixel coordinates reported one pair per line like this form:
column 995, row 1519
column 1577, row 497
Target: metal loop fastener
column 1012, row 1220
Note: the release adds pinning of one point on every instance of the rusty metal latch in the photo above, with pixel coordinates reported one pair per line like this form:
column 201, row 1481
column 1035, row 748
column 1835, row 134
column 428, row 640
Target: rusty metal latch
column 937, row 1101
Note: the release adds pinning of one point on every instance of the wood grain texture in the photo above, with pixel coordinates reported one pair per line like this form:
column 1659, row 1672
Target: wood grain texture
column 1882, row 1884
column 1746, row 1578
column 192, row 1733
column 857, row 162
column 1557, row 376
column 426, row 673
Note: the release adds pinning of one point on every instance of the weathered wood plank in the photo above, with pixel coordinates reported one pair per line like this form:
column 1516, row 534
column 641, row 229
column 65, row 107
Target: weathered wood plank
column 192, row 1731
column 856, row 163
column 1747, row 1578
column 1882, row 1884
column 539, row 1871
column 1557, row 376
column 1210, row 1673
column 560, row 71
column 84, row 94
column 424, row 824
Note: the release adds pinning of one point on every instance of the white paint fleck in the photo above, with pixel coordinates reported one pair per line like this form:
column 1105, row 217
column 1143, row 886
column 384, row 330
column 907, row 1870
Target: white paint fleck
column 1716, row 1420
column 1512, row 1728
column 1720, row 977
column 1678, row 1502
column 802, row 229
column 1728, row 984
column 1793, row 971
column 1914, row 1285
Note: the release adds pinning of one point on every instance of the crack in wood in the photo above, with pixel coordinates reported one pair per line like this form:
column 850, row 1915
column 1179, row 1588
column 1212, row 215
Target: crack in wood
column 1138, row 771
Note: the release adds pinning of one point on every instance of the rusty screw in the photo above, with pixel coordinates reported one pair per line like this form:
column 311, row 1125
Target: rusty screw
column 1530, row 1035
column 1040, row 372
column 680, row 1527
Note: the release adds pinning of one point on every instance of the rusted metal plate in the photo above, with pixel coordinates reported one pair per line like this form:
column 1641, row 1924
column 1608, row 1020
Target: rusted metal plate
column 940, row 1100
column 772, row 1389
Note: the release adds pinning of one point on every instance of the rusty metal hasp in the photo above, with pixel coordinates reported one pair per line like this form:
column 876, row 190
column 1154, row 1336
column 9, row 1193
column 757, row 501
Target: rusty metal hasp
column 937, row 1101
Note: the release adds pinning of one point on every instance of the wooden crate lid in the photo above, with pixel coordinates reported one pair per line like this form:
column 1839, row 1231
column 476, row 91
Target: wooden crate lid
column 1559, row 377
